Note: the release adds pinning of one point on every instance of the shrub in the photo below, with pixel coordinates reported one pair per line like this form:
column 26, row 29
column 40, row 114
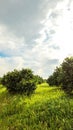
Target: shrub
column 0, row 80
column 67, row 78
column 63, row 76
column 19, row 81
column 38, row 79
column 27, row 74
column 56, row 77
column 10, row 80
column 26, row 87
column 51, row 80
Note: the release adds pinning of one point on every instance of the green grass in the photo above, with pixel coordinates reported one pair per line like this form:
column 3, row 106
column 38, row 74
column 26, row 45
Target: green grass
column 47, row 109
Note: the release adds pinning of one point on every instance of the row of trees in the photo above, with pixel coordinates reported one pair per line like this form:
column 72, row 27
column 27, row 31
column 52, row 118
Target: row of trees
column 23, row 81
column 63, row 76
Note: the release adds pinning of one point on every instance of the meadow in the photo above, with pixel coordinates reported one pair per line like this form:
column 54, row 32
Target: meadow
column 48, row 108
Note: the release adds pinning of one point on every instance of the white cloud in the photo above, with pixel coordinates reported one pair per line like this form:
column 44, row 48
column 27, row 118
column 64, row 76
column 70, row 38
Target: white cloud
column 36, row 34
column 9, row 43
column 9, row 64
column 59, row 27
column 64, row 33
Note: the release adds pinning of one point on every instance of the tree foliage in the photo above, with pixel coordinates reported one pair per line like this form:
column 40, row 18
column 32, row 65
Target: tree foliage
column 19, row 81
column 67, row 79
column 56, row 77
column 38, row 79
column 63, row 75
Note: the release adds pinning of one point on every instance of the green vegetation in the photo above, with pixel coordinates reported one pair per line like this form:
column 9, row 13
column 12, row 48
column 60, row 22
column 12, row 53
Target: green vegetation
column 67, row 81
column 38, row 79
column 63, row 76
column 24, row 81
column 48, row 108
column 19, row 81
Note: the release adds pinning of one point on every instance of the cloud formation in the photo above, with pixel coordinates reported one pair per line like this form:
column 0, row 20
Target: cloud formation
column 35, row 34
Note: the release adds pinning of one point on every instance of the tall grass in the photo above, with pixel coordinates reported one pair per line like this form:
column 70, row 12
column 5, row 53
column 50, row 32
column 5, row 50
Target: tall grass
column 47, row 109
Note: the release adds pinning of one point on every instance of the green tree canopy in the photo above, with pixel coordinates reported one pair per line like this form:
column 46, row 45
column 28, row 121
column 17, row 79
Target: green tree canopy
column 63, row 75
column 19, row 81
column 67, row 77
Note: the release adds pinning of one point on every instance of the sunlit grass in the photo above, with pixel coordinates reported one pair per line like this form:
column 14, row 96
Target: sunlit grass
column 44, row 93
column 2, row 89
column 47, row 109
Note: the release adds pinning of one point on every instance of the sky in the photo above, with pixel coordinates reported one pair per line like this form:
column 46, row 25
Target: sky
column 35, row 34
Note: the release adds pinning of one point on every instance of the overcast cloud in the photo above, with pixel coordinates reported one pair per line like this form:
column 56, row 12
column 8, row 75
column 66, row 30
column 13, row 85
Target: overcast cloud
column 36, row 34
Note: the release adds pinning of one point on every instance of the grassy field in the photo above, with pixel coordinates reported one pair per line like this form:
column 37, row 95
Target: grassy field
column 47, row 109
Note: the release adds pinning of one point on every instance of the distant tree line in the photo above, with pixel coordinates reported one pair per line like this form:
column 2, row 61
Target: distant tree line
column 23, row 81
column 63, row 76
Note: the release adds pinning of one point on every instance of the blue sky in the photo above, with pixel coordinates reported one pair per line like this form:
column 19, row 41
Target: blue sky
column 36, row 34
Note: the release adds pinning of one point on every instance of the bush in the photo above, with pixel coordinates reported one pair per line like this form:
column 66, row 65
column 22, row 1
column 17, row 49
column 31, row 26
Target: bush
column 56, row 77
column 27, row 74
column 0, row 80
column 19, row 81
column 38, row 79
column 51, row 80
column 67, row 78
column 63, row 76
column 26, row 87
column 10, row 80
